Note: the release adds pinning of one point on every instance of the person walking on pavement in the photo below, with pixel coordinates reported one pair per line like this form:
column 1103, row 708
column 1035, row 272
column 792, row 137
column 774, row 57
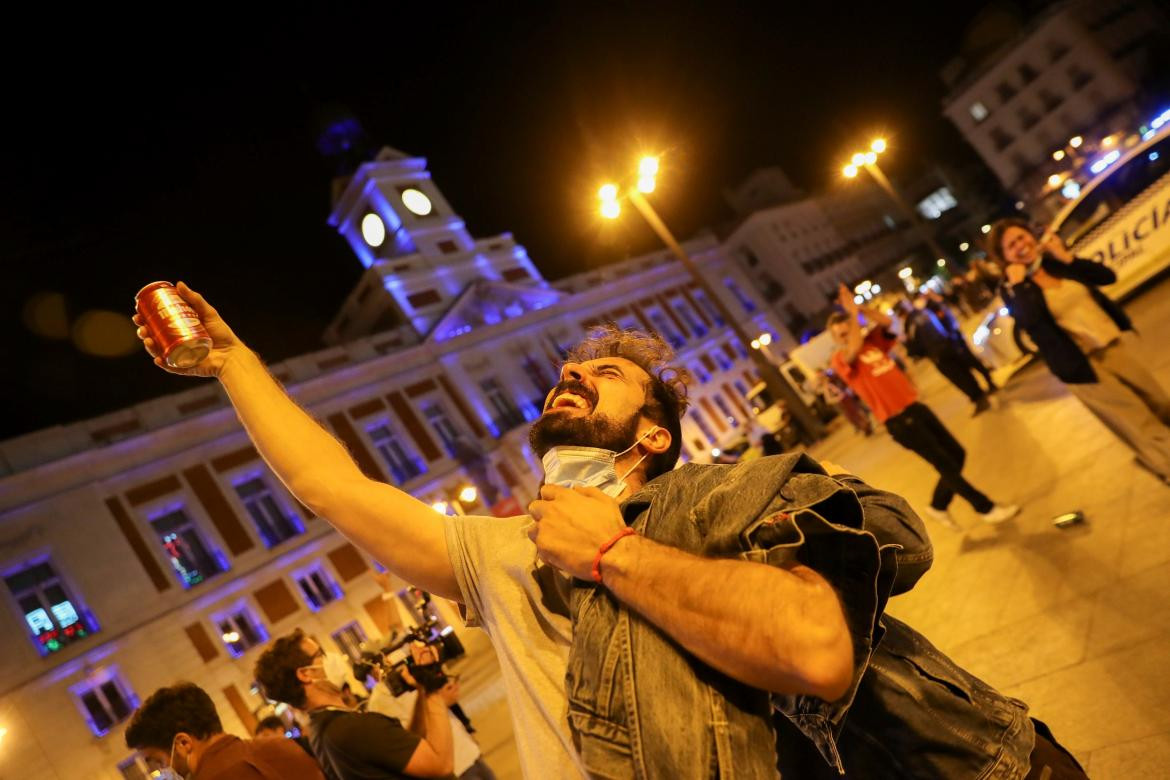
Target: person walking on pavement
column 863, row 361
column 1084, row 337
column 926, row 336
column 962, row 349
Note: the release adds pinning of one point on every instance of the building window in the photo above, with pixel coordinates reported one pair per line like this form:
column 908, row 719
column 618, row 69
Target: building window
column 507, row 416
column 240, row 630
column 1028, row 120
column 318, row 587
column 936, row 203
column 978, row 111
column 700, row 373
column 726, row 411
column 1056, row 50
column 448, row 247
column 1050, row 101
column 1005, row 91
column 703, row 426
column 52, row 618
column 1079, row 78
column 184, row 546
column 687, row 315
column 740, row 349
column 1001, row 138
column 664, row 328
column 272, row 520
column 402, row 463
column 350, row 639
column 1028, row 74
column 709, row 307
column 437, row 416
column 722, row 359
column 105, row 700
column 747, row 303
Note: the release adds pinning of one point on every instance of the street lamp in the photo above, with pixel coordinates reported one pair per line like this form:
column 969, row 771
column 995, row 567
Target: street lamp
column 810, row 427
column 468, row 494
column 868, row 161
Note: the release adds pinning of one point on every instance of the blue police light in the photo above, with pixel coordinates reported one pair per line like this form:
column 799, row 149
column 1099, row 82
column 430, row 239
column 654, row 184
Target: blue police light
column 1071, row 190
column 1105, row 161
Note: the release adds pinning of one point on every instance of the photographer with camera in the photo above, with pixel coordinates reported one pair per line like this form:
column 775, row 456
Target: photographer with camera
column 353, row 745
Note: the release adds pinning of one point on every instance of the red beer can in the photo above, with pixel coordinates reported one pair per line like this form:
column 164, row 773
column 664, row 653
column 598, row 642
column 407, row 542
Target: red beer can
column 173, row 324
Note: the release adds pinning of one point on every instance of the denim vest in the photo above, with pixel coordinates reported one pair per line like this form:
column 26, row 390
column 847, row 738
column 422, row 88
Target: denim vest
column 640, row 706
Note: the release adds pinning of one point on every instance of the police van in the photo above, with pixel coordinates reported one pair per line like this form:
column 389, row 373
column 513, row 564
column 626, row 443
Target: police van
column 1121, row 218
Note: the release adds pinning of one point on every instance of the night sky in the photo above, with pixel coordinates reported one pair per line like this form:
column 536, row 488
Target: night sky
column 185, row 148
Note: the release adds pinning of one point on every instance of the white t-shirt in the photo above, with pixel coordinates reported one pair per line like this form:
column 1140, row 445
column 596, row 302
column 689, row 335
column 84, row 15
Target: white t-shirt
column 522, row 604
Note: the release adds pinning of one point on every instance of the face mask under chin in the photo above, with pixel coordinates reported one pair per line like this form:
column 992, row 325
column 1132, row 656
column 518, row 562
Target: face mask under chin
column 580, row 466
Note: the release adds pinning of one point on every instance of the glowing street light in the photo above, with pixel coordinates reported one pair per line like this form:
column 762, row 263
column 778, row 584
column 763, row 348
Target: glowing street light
column 231, row 637
column 1076, row 141
column 1055, row 179
column 468, row 494
column 849, row 171
column 963, row 247
column 1058, row 155
column 442, row 507
column 648, row 166
column 858, row 159
column 985, row 229
column 878, row 145
column 941, row 262
column 906, row 273
column 610, row 208
column 765, row 339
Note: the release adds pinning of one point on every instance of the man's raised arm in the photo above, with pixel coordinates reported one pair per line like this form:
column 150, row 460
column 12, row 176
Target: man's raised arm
column 401, row 532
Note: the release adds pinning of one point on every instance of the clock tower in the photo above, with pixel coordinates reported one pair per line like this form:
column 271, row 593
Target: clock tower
column 419, row 257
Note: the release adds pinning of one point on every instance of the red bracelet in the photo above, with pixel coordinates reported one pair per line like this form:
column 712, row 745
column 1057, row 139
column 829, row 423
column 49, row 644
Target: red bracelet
column 622, row 534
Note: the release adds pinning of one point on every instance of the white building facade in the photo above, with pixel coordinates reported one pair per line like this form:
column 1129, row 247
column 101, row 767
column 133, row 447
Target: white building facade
column 153, row 545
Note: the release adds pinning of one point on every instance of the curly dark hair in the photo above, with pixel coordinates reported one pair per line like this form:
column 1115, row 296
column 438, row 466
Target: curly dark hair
column 666, row 393
column 276, row 670
column 183, row 707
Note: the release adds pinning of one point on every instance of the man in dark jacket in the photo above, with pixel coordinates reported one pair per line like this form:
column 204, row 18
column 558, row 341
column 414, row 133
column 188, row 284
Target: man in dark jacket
column 926, row 335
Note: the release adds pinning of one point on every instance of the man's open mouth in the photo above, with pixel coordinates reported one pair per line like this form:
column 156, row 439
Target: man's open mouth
column 569, row 400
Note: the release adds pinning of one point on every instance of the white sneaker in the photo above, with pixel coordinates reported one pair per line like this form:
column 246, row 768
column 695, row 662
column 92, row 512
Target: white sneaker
column 999, row 513
column 943, row 517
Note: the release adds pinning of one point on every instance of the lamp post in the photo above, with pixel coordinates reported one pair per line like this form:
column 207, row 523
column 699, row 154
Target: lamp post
column 809, row 426
column 868, row 161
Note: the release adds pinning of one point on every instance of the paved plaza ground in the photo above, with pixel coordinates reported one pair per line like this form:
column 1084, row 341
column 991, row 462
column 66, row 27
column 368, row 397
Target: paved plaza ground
column 1074, row 621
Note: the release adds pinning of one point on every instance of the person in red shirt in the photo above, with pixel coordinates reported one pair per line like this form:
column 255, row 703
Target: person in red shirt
column 863, row 361
column 179, row 734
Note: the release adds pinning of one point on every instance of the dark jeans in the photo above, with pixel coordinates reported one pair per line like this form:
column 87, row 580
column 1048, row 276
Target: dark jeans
column 478, row 771
column 957, row 365
column 917, row 429
column 1050, row 755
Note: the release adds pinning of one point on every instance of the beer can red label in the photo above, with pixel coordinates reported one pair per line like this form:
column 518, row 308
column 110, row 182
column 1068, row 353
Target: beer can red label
column 173, row 324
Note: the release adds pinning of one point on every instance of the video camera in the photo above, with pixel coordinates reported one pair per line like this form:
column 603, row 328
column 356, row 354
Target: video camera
column 396, row 657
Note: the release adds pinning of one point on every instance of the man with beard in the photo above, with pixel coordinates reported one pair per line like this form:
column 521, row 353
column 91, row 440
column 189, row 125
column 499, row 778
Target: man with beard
column 649, row 621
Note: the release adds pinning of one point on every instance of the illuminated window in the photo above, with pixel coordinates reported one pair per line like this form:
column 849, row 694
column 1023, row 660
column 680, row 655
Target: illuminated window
column 709, row 307
column 703, row 426
column 350, row 639
column 401, row 461
column 507, row 416
column 439, row 419
column 722, row 359
column 240, row 630
column 272, row 520
column 747, row 303
column 185, row 548
column 937, row 202
column 723, row 407
column 687, row 315
column 700, row 373
column 105, row 700
column 664, row 327
column 50, row 615
column 318, row 587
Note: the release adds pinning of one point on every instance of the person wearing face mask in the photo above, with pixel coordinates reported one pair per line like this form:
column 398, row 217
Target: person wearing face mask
column 179, row 734
column 350, row 744
column 652, row 621
column 1085, row 338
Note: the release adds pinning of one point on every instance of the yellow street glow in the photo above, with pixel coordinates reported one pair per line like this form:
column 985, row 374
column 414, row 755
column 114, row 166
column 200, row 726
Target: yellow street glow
column 850, row 171
column 986, row 229
column 440, row 507
column 755, row 343
column 1055, row 179
column 858, row 159
column 1058, row 155
column 765, row 339
column 608, row 192
column 878, row 145
column 963, row 247
column 648, row 166
column 905, row 273
column 610, row 209
column 231, row 636
column 646, row 184
column 1075, row 141
column 1108, row 141
column 468, row 494
column 870, row 158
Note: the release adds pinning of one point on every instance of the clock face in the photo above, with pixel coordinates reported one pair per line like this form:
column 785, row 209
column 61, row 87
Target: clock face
column 416, row 202
column 373, row 230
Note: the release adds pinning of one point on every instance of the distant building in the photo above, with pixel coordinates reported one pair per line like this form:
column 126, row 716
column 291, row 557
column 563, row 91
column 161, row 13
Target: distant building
column 1022, row 88
column 153, row 544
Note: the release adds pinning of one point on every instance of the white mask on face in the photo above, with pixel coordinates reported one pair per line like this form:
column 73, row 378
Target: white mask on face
column 589, row 467
column 336, row 669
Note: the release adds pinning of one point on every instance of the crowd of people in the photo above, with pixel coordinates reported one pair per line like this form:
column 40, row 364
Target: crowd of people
column 656, row 620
